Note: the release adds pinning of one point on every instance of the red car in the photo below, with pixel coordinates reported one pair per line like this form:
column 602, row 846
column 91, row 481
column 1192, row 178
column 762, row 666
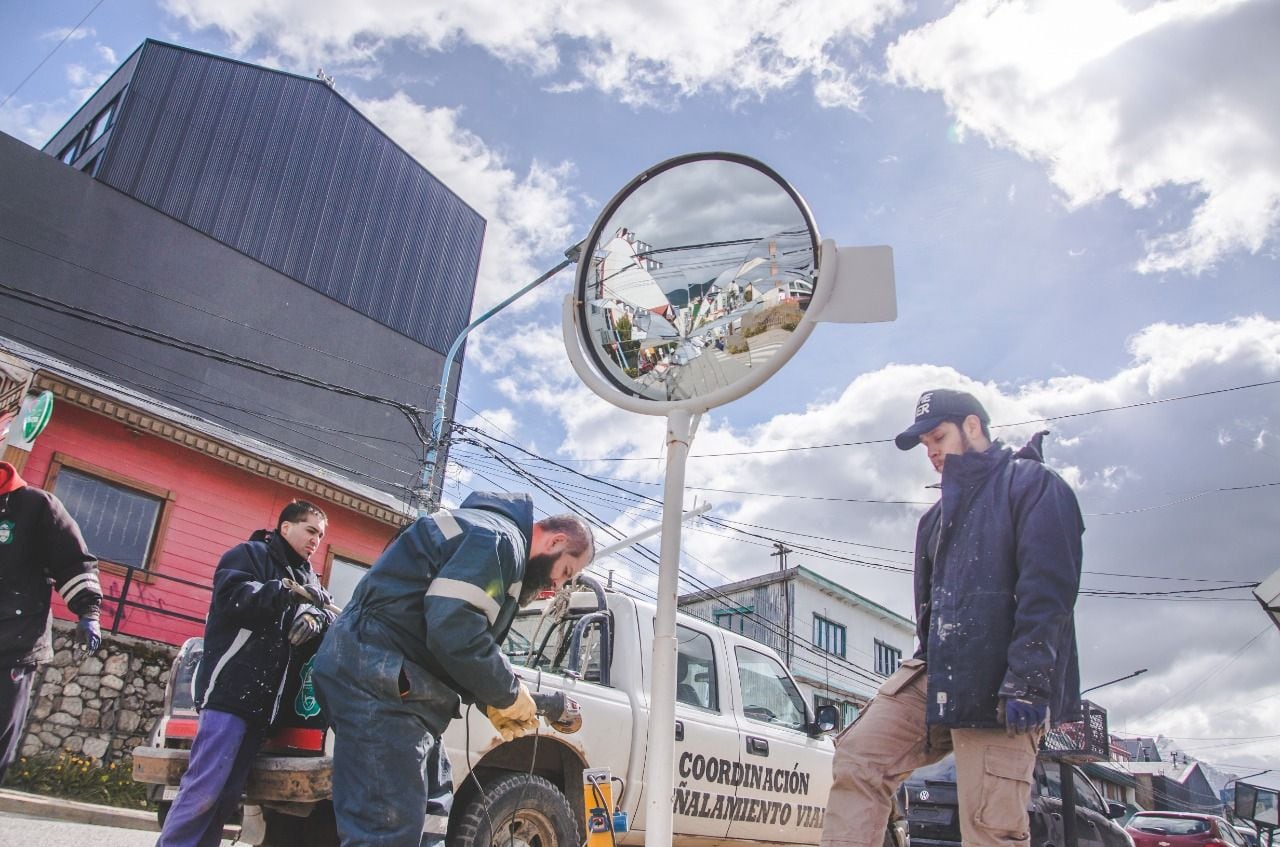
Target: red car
column 1182, row 829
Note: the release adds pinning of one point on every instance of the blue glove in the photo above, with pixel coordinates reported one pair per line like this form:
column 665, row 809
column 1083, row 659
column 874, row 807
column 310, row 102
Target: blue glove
column 1023, row 716
column 89, row 634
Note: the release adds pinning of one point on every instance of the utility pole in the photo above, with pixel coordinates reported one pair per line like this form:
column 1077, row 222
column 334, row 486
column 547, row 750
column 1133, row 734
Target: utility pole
column 431, row 474
column 781, row 550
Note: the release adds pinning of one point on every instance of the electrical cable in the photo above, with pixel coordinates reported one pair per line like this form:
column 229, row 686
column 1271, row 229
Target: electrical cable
column 703, row 587
column 68, row 310
column 49, row 55
column 242, row 324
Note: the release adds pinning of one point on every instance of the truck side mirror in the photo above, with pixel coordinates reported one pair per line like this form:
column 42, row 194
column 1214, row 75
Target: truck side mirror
column 826, row 719
column 1115, row 811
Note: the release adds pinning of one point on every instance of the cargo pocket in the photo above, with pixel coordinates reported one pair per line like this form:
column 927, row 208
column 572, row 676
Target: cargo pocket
column 902, row 677
column 1006, row 791
column 418, row 685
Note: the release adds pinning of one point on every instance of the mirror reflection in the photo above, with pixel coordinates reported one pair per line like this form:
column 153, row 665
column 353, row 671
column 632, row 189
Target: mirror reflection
column 698, row 276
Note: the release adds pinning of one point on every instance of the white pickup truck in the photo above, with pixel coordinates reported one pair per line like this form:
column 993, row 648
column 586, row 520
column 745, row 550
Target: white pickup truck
column 753, row 766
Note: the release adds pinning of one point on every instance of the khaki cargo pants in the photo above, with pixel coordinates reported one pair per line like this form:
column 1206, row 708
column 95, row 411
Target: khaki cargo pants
column 887, row 742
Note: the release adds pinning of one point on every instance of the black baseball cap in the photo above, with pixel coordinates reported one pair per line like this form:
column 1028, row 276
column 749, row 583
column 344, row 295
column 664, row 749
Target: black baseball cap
column 934, row 407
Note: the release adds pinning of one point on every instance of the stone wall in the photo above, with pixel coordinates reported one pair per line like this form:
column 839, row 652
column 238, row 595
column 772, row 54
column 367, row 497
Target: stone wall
column 101, row 706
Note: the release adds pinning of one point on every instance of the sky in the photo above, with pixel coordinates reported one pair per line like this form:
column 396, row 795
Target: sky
column 1082, row 198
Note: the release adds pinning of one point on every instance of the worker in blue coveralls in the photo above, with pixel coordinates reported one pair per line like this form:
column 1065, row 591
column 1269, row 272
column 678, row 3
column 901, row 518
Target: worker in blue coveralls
column 255, row 622
column 996, row 575
column 423, row 632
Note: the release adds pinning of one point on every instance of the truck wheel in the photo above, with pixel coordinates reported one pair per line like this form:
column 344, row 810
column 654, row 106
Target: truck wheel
column 517, row 810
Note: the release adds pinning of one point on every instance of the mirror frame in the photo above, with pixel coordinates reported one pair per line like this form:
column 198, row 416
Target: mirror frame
column 585, row 357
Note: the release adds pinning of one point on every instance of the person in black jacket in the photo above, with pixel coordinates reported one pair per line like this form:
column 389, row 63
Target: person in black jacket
column 996, row 575
column 39, row 544
column 254, row 623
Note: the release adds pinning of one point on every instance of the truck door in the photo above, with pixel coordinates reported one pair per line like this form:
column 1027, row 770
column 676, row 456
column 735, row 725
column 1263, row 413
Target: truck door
column 786, row 772
column 706, row 747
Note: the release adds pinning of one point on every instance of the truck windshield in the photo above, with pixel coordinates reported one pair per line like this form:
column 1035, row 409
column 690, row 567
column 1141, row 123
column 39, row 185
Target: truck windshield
column 547, row 648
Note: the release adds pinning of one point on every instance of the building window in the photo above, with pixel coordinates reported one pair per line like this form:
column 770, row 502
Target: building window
column 341, row 576
column 103, row 122
column 734, row 620
column 68, row 154
column 120, row 519
column 828, row 636
column 888, row 658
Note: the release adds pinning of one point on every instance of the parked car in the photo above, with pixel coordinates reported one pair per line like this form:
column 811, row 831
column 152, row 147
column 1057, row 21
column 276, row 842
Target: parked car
column 1182, row 829
column 930, row 801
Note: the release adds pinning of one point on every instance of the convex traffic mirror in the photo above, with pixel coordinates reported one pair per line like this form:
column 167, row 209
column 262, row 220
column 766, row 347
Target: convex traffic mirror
column 695, row 280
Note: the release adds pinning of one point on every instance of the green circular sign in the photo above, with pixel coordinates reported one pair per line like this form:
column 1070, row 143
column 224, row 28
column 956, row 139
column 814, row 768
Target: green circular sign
column 37, row 418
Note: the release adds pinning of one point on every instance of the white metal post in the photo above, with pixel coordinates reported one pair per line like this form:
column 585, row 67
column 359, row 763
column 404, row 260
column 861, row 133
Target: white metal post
column 660, row 767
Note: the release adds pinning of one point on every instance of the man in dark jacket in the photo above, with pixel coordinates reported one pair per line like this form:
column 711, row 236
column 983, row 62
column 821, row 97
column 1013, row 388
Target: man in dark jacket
column 254, row 623
column 39, row 544
column 422, row 633
column 997, row 570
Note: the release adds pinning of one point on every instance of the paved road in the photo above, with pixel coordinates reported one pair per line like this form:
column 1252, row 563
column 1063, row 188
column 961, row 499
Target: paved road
column 23, row 831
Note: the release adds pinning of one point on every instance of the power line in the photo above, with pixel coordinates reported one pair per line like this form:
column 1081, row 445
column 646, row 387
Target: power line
column 49, row 55
column 211, row 313
column 873, row 441
column 699, row 585
column 98, row 319
column 1175, row 596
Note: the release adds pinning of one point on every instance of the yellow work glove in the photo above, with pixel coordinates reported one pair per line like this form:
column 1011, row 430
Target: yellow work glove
column 519, row 718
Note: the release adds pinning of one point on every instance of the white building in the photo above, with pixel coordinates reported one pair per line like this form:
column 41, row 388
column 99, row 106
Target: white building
column 839, row 645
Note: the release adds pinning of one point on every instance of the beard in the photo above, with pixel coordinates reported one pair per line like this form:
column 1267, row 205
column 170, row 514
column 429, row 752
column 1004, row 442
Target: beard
column 537, row 576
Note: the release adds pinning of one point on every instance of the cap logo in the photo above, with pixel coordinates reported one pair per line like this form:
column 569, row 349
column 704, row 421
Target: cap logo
column 923, row 408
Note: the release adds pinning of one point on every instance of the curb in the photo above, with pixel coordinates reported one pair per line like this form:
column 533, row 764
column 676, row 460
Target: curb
column 56, row 808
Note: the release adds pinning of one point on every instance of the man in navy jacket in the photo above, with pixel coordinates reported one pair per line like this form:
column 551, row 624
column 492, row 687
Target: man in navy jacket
column 253, row 625
column 996, row 575
column 423, row 632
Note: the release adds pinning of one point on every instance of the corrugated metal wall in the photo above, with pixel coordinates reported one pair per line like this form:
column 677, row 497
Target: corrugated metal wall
column 284, row 170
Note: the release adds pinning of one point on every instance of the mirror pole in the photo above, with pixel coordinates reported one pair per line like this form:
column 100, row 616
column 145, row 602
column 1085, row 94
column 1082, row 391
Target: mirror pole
column 431, row 475
column 662, row 687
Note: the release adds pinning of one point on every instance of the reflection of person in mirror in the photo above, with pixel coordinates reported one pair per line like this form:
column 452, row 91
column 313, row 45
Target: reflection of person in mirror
column 997, row 568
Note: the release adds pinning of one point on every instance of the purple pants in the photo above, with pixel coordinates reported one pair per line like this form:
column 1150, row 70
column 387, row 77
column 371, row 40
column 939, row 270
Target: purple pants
column 221, row 757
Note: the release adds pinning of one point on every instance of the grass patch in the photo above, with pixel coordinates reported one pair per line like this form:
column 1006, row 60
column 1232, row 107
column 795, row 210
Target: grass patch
column 78, row 778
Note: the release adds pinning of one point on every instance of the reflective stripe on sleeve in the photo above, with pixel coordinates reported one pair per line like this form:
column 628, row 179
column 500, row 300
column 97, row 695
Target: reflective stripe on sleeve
column 77, row 584
column 472, row 595
column 447, row 523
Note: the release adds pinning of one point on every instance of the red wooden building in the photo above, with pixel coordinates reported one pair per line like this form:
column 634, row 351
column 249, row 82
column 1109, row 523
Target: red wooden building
column 160, row 495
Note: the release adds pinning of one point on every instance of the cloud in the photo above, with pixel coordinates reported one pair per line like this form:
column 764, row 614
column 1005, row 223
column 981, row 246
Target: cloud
column 36, row 122
column 649, row 54
column 850, row 512
column 528, row 214
column 1163, row 104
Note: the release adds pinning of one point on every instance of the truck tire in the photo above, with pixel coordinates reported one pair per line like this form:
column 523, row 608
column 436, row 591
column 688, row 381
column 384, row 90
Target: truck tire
column 517, row 809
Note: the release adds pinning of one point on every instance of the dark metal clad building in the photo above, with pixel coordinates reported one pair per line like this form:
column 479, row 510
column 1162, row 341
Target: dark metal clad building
column 283, row 169
column 241, row 243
